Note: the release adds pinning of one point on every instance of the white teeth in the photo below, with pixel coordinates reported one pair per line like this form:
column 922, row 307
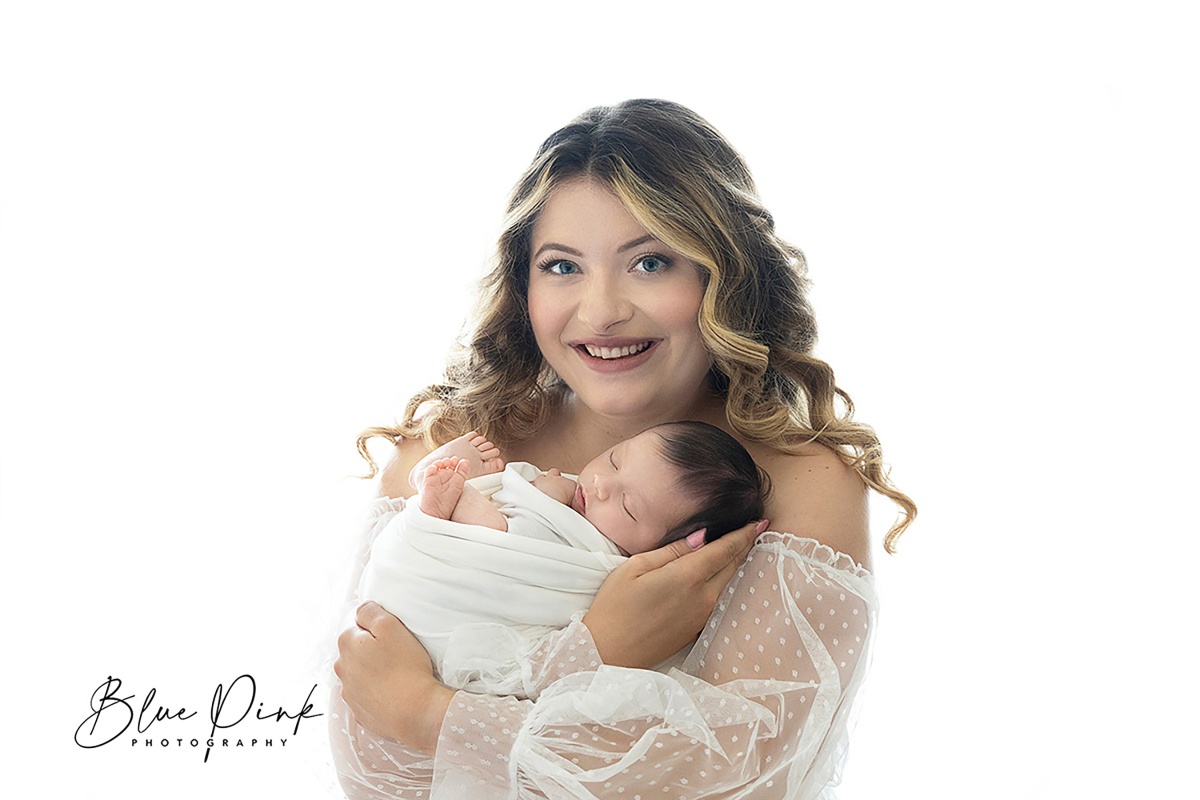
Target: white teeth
column 615, row 352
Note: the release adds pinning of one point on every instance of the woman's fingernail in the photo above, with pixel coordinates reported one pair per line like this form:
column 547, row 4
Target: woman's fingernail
column 696, row 538
column 761, row 526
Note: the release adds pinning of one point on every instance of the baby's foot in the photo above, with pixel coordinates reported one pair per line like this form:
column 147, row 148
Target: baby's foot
column 443, row 486
column 482, row 457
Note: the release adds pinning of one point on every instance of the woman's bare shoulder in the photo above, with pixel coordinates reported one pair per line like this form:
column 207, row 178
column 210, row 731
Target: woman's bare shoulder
column 816, row 495
column 394, row 480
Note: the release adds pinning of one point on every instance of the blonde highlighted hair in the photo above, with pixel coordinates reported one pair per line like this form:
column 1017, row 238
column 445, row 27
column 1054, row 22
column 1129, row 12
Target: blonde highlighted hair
column 690, row 189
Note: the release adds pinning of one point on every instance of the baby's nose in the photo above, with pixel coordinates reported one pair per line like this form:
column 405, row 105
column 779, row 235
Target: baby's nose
column 601, row 488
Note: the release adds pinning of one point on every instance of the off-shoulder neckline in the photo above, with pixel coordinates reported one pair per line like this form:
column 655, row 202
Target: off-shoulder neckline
column 815, row 551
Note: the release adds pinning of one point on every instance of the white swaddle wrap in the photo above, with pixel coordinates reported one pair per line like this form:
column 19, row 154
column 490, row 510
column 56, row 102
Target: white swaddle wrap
column 478, row 598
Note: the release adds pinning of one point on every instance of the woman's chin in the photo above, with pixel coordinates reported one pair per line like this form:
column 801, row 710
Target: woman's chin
column 623, row 406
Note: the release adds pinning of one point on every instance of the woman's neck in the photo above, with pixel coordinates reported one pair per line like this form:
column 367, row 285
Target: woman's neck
column 584, row 433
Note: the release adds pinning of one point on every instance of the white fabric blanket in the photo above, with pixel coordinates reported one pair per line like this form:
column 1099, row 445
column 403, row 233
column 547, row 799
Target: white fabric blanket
column 478, row 598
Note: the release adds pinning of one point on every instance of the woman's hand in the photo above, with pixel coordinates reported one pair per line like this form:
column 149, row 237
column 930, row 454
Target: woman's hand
column 387, row 680
column 656, row 603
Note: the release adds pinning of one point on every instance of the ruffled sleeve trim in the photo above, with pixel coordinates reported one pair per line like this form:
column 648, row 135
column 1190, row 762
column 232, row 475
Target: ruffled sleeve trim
column 384, row 505
column 812, row 550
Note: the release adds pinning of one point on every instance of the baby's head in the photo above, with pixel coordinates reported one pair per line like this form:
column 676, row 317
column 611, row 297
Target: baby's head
column 676, row 477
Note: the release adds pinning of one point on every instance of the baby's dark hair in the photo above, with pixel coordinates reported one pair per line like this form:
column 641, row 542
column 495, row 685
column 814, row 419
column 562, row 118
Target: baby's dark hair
column 718, row 473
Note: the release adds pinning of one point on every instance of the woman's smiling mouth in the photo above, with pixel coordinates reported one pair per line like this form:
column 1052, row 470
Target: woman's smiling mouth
column 614, row 352
column 616, row 356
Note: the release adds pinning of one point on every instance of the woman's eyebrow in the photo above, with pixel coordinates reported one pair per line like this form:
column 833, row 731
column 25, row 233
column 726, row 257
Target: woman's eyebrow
column 557, row 246
column 635, row 242
column 632, row 243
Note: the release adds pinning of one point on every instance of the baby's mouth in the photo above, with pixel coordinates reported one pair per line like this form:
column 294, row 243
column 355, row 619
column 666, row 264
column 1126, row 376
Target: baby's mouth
column 611, row 353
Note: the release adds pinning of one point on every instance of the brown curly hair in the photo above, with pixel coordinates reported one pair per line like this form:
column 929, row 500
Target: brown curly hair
column 690, row 189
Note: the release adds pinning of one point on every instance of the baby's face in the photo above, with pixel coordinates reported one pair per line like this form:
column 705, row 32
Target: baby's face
column 630, row 494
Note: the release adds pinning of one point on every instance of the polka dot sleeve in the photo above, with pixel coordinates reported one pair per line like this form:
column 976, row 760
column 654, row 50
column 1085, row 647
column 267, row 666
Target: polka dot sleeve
column 560, row 654
column 760, row 708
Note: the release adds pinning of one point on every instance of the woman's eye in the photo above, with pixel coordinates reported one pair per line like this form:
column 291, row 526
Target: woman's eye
column 559, row 268
column 652, row 264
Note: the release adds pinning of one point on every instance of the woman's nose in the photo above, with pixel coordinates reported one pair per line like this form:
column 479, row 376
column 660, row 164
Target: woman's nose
column 603, row 305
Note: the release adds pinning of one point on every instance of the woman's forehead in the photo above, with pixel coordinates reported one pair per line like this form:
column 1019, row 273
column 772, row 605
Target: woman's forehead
column 583, row 207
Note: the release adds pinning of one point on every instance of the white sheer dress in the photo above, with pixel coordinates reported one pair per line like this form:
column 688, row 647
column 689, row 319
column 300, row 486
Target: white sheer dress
column 759, row 709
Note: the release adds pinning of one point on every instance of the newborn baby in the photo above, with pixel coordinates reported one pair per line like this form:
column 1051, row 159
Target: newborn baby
column 666, row 482
column 489, row 557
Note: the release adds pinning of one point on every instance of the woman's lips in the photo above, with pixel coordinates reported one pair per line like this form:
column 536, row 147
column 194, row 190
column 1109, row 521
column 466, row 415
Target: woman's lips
column 607, row 350
column 620, row 363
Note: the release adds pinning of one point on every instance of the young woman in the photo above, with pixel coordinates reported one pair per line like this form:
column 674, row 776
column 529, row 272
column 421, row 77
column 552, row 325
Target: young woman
column 639, row 280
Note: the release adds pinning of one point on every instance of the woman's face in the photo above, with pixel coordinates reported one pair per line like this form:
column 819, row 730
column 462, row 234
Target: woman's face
column 614, row 311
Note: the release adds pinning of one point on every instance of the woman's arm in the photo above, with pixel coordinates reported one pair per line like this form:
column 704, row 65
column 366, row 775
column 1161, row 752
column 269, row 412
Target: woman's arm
column 387, row 678
column 762, row 714
column 483, row 738
column 763, row 709
column 373, row 766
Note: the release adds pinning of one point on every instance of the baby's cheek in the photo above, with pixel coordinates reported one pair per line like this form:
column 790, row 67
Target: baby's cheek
column 623, row 538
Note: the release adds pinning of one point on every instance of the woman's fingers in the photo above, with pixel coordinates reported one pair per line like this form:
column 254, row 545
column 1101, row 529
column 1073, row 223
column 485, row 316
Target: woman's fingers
column 729, row 553
column 716, row 583
column 358, row 643
column 367, row 619
column 705, row 562
column 660, row 557
column 369, row 616
column 389, row 637
column 718, row 558
column 386, row 676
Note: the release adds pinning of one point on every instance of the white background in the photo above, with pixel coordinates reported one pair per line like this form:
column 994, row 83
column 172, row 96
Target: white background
column 234, row 234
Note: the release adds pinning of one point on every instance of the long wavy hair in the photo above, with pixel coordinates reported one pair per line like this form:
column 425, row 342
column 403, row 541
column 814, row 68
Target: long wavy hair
column 683, row 182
